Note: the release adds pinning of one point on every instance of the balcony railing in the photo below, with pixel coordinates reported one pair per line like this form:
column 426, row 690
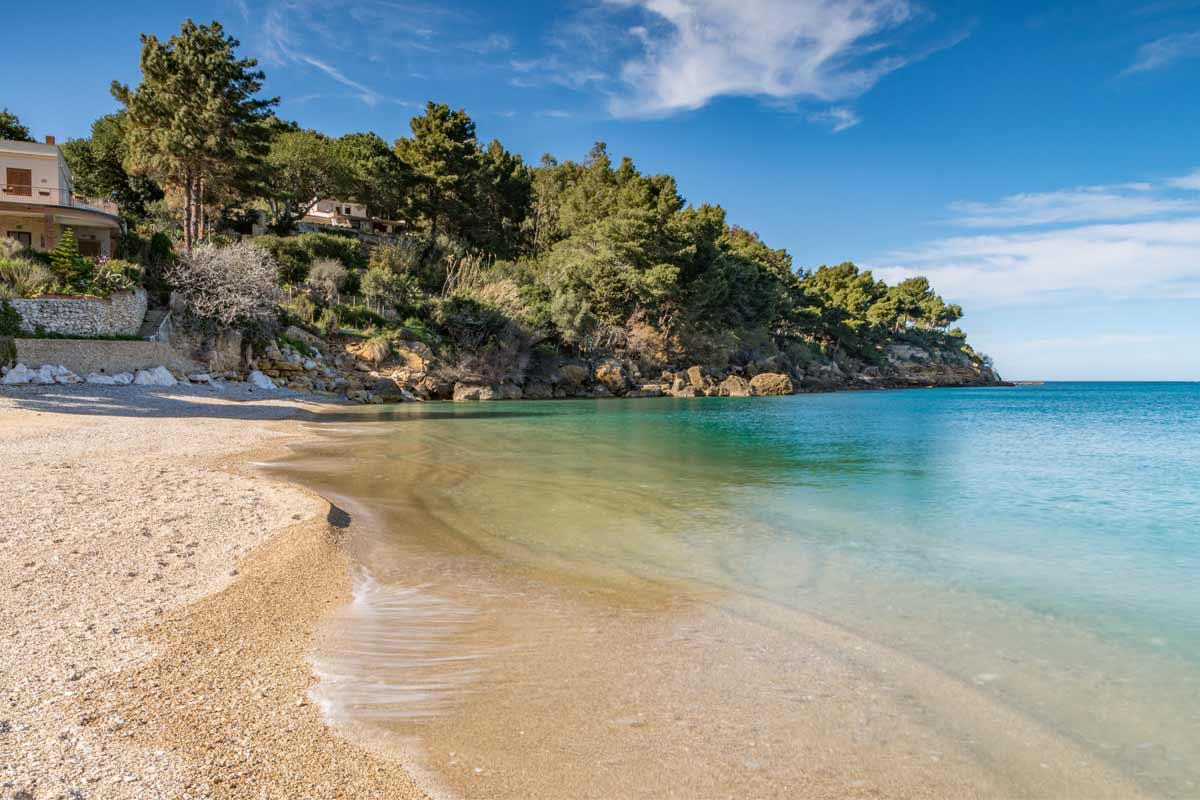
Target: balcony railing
column 51, row 196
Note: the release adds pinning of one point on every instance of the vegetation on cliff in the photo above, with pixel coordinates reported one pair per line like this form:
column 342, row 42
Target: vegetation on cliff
column 502, row 262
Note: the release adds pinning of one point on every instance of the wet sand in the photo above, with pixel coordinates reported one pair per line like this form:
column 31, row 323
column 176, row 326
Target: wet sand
column 534, row 680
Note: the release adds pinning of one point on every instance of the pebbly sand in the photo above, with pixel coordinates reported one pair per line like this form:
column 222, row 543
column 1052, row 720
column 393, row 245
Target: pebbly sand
column 157, row 601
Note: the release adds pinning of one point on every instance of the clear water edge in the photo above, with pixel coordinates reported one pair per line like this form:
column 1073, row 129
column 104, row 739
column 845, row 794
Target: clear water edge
column 1035, row 543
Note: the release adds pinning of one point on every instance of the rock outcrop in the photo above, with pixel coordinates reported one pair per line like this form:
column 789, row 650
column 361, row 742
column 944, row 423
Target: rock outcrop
column 769, row 384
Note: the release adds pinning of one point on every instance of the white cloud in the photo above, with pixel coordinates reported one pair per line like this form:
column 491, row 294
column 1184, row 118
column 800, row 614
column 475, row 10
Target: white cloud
column 1120, row 241
column 1148, row 259
column 839, row 118
column 1084, row 204
column 1189, row 181
column 553, row 113
column 1165, row 51
column 695, row 50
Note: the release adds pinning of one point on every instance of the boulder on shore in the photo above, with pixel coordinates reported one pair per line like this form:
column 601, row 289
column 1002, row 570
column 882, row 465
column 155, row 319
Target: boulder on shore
column 260, row 381
column 18, row 374
column 771, row 384
column 735, row 386
column 611, row 374
column 159, row 376
column 572, row 374
column 467, row 392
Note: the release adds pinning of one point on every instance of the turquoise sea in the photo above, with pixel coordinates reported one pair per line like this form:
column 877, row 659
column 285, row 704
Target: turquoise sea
column 1035, row 547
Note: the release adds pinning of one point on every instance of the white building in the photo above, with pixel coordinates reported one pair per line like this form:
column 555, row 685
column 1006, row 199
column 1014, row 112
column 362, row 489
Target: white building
column 37, row 201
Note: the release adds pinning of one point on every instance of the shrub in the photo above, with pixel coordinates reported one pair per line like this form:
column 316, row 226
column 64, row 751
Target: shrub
column 390, row 289
column 289, row 254
column 22, row 277
column 10, row 320
column 471, row 323
column 330, row 322
column 227, row 286
column 303, row 307
column 376, row 350
column 327, row 277
column 346, row 249
column 358, row 317
column 116, row 275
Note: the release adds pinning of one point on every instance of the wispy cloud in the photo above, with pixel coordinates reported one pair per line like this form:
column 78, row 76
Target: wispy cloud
column 656, row 58
column 1083, row 204
column 1189, row 181
column 1163, row 52
column 696, row 50
column 1128, row 240
column 838, row 118
column 553, row 113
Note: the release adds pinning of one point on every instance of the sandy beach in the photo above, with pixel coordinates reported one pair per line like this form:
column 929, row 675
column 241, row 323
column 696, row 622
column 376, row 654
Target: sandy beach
column 157, row 601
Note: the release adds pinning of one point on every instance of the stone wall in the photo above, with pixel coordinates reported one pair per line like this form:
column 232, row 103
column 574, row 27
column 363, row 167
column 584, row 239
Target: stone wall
column 110, row 357
column 119, row 315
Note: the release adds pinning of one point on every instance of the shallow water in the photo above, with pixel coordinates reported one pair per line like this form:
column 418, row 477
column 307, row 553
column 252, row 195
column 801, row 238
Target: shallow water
column 970, row 592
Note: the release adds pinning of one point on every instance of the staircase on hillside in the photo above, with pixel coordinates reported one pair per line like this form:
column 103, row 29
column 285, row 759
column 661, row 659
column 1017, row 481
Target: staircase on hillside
column 153, row 323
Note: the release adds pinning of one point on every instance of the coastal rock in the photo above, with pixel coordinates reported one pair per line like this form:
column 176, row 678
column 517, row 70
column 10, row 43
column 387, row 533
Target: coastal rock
column 509, row 391
column 17, row 375
column 159, row 376
column 298, row 334
column 685, row 391
column 411, row 358
column 260, row 381
column 538, row 390
column 123, row 378
column 735, row 386
column 696, row 377
column 572, row 374
column 101, row 380
column 611, row 374
column 646, row 390
column 771, row 384
column 467, row 392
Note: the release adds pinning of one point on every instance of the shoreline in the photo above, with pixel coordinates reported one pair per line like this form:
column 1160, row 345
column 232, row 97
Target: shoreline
column 217, row 704
column 195, row 682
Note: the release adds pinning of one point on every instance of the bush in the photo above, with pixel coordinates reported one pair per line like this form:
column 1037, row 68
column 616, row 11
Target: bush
column 330, row 322
column 391, row 290
column 10, row 320
column 289, row 254
column 116, row 275
column 21, row 277
column 358, row 317
column 470, row 323
column 228, row 286
column 327, row 278
column 346, row 249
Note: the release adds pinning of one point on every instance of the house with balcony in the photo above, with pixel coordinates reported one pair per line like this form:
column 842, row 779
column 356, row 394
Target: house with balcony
column 38, row 202
column 346, row 214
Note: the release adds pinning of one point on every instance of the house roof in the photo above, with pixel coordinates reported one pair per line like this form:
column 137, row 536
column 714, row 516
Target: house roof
column 29, row 148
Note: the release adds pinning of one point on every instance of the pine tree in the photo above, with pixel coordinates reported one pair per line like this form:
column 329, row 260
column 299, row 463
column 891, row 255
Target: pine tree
column 445, row 156
column 71, row 268
column 194, row 121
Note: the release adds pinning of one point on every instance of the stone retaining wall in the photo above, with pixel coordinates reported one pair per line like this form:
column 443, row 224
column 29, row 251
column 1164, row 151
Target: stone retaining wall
column 119, row 315
column 82, row 356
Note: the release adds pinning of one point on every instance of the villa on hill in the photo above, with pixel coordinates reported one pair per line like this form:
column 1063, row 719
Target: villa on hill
column 343, row 214
column 37, row 201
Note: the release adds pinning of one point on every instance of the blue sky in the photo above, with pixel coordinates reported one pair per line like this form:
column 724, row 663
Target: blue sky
column 1038, row 161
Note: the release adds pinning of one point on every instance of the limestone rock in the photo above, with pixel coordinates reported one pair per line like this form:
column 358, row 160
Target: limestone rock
column 466, row 392
column 101, row 380
column 17, row 375
column 771, row 384
column 260, row 381
column 159, row 376
column 735, row 386
column 538, row 390
column 695, row 376
column 611, row 374
column 685, row 391
column 573, row 374
column 123, row 378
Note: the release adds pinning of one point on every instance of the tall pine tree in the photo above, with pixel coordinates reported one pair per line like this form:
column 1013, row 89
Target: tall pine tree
column 194, row 120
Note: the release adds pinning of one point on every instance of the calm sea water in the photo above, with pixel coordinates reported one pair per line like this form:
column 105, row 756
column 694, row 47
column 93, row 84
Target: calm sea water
column 1038, row 544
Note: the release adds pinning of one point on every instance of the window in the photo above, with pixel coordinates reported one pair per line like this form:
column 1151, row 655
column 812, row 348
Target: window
column 19, row 182
column 89, row 249
column 24, row 237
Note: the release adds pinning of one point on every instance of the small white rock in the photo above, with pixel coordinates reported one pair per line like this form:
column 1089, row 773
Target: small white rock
column 102, row 380
column 123, row 378
column 18, row 374
column 261, row 381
